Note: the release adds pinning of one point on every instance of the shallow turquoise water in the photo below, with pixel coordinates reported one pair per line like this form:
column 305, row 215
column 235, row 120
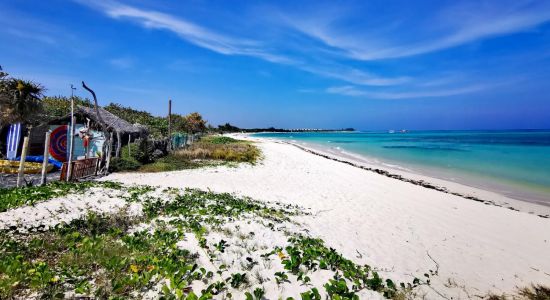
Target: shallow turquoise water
column 518, row 160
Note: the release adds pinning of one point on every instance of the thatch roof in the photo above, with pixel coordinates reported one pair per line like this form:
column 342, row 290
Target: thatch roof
column 111, row 121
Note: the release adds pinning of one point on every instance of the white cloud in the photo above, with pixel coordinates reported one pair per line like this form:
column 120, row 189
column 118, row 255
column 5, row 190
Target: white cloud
column 465, row 24
column 228, row 45
column 356, row 92
column 354, row 76
column 188, row 31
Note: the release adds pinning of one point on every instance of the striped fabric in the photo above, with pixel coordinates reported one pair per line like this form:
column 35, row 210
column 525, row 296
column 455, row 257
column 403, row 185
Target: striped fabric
column 14, row 135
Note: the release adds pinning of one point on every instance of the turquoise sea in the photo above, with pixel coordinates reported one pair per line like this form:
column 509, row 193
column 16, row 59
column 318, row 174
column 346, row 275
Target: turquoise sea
column 515, row 163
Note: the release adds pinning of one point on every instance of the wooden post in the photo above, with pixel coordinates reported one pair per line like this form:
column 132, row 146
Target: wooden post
column 169, row 125
column 118, row 143
column 71, row 136
column 129, row 139
column 46, row 157
column 109, row 150
column 22, row 161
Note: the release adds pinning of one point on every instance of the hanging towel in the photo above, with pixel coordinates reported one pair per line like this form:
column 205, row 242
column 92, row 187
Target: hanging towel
column 14, row 136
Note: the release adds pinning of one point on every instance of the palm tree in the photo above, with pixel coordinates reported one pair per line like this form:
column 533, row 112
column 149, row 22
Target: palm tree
column 19, row 100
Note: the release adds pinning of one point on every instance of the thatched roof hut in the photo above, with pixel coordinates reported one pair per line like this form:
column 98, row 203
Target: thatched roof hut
column 112, row 122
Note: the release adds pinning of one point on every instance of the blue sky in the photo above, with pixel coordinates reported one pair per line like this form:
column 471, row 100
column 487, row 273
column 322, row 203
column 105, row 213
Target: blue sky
column 361, row 64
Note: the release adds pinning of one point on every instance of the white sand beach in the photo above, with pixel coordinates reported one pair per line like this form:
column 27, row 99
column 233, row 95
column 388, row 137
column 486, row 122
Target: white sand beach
column 401, row 229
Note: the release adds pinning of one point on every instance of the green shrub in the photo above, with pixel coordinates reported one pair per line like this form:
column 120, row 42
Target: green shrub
column 123, row 164
column 169, row 163
column 140, row 151
column 144, row 152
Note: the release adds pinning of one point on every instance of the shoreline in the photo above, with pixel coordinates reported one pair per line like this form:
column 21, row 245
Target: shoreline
column 421, row 182
column 461, row 189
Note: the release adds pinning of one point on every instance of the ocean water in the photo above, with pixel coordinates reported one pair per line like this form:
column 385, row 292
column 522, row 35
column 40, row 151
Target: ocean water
column 515, row 163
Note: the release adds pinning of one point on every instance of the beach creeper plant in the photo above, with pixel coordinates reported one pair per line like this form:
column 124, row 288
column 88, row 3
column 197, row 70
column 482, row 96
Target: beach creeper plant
column 119, row 256
column 16, row 197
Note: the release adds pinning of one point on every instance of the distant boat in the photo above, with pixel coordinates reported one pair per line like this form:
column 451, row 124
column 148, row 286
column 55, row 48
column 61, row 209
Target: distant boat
column 404, row 131
column 391, row 131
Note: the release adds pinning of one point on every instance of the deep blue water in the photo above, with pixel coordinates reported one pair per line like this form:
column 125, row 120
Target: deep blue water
column 518, row 160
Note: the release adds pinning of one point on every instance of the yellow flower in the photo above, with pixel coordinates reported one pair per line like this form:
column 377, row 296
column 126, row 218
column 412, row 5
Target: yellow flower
column 281, row 255
column 150, row 267
column 134, row 268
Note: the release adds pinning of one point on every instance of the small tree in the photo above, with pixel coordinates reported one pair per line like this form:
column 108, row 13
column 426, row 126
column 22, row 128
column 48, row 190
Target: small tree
column 195, row 123
column 19, row 100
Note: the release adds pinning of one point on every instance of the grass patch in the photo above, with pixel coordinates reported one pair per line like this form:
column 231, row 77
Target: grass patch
column 221, row 148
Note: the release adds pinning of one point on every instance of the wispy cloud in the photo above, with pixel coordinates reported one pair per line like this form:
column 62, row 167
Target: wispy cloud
column 326, row 46
column 354, row 76
column 188, row 31
column 357, row 92
column 229, row 45
column 42, row 38
column 468, row 24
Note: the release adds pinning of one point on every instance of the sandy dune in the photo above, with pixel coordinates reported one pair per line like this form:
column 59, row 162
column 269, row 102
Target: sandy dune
column 402, row 229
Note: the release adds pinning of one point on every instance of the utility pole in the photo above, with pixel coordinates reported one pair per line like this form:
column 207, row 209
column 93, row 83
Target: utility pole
column 71, row 146
column 169, row 125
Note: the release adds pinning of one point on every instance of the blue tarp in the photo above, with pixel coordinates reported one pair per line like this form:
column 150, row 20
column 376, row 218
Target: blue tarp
column 40, row 159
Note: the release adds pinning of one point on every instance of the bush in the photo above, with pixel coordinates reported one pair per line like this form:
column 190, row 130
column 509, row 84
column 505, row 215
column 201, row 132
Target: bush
column 140, row 151
column 123, row 164
column 169, row 163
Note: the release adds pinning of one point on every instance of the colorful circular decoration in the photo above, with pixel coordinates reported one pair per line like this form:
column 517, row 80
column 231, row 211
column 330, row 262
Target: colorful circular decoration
column 58, row 143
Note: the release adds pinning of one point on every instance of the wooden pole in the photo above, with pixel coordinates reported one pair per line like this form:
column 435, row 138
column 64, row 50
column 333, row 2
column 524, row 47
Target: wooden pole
column 129, row 139
column 71, row 136
column 118, row 143
column 22, row 161
column 46, row 157
column 109, row 150
column 170, row 125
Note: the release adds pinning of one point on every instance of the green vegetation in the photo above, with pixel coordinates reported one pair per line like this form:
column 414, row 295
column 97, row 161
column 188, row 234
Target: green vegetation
column 60, row 106
column 101, row 256
column 158, row 126
column 209, row 151
column 15, row 197
column 172, row 163
column 119, row 256
column 306, row 254
column 104, row 256
column 95, row 256
column 123, row 164
column 533, row 292
column 19, row 100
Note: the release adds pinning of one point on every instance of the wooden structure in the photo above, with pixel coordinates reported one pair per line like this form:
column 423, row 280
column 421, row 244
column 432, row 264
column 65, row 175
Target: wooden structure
column 80, row 169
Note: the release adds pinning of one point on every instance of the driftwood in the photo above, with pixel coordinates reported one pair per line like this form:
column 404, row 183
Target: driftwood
column 107, row 143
